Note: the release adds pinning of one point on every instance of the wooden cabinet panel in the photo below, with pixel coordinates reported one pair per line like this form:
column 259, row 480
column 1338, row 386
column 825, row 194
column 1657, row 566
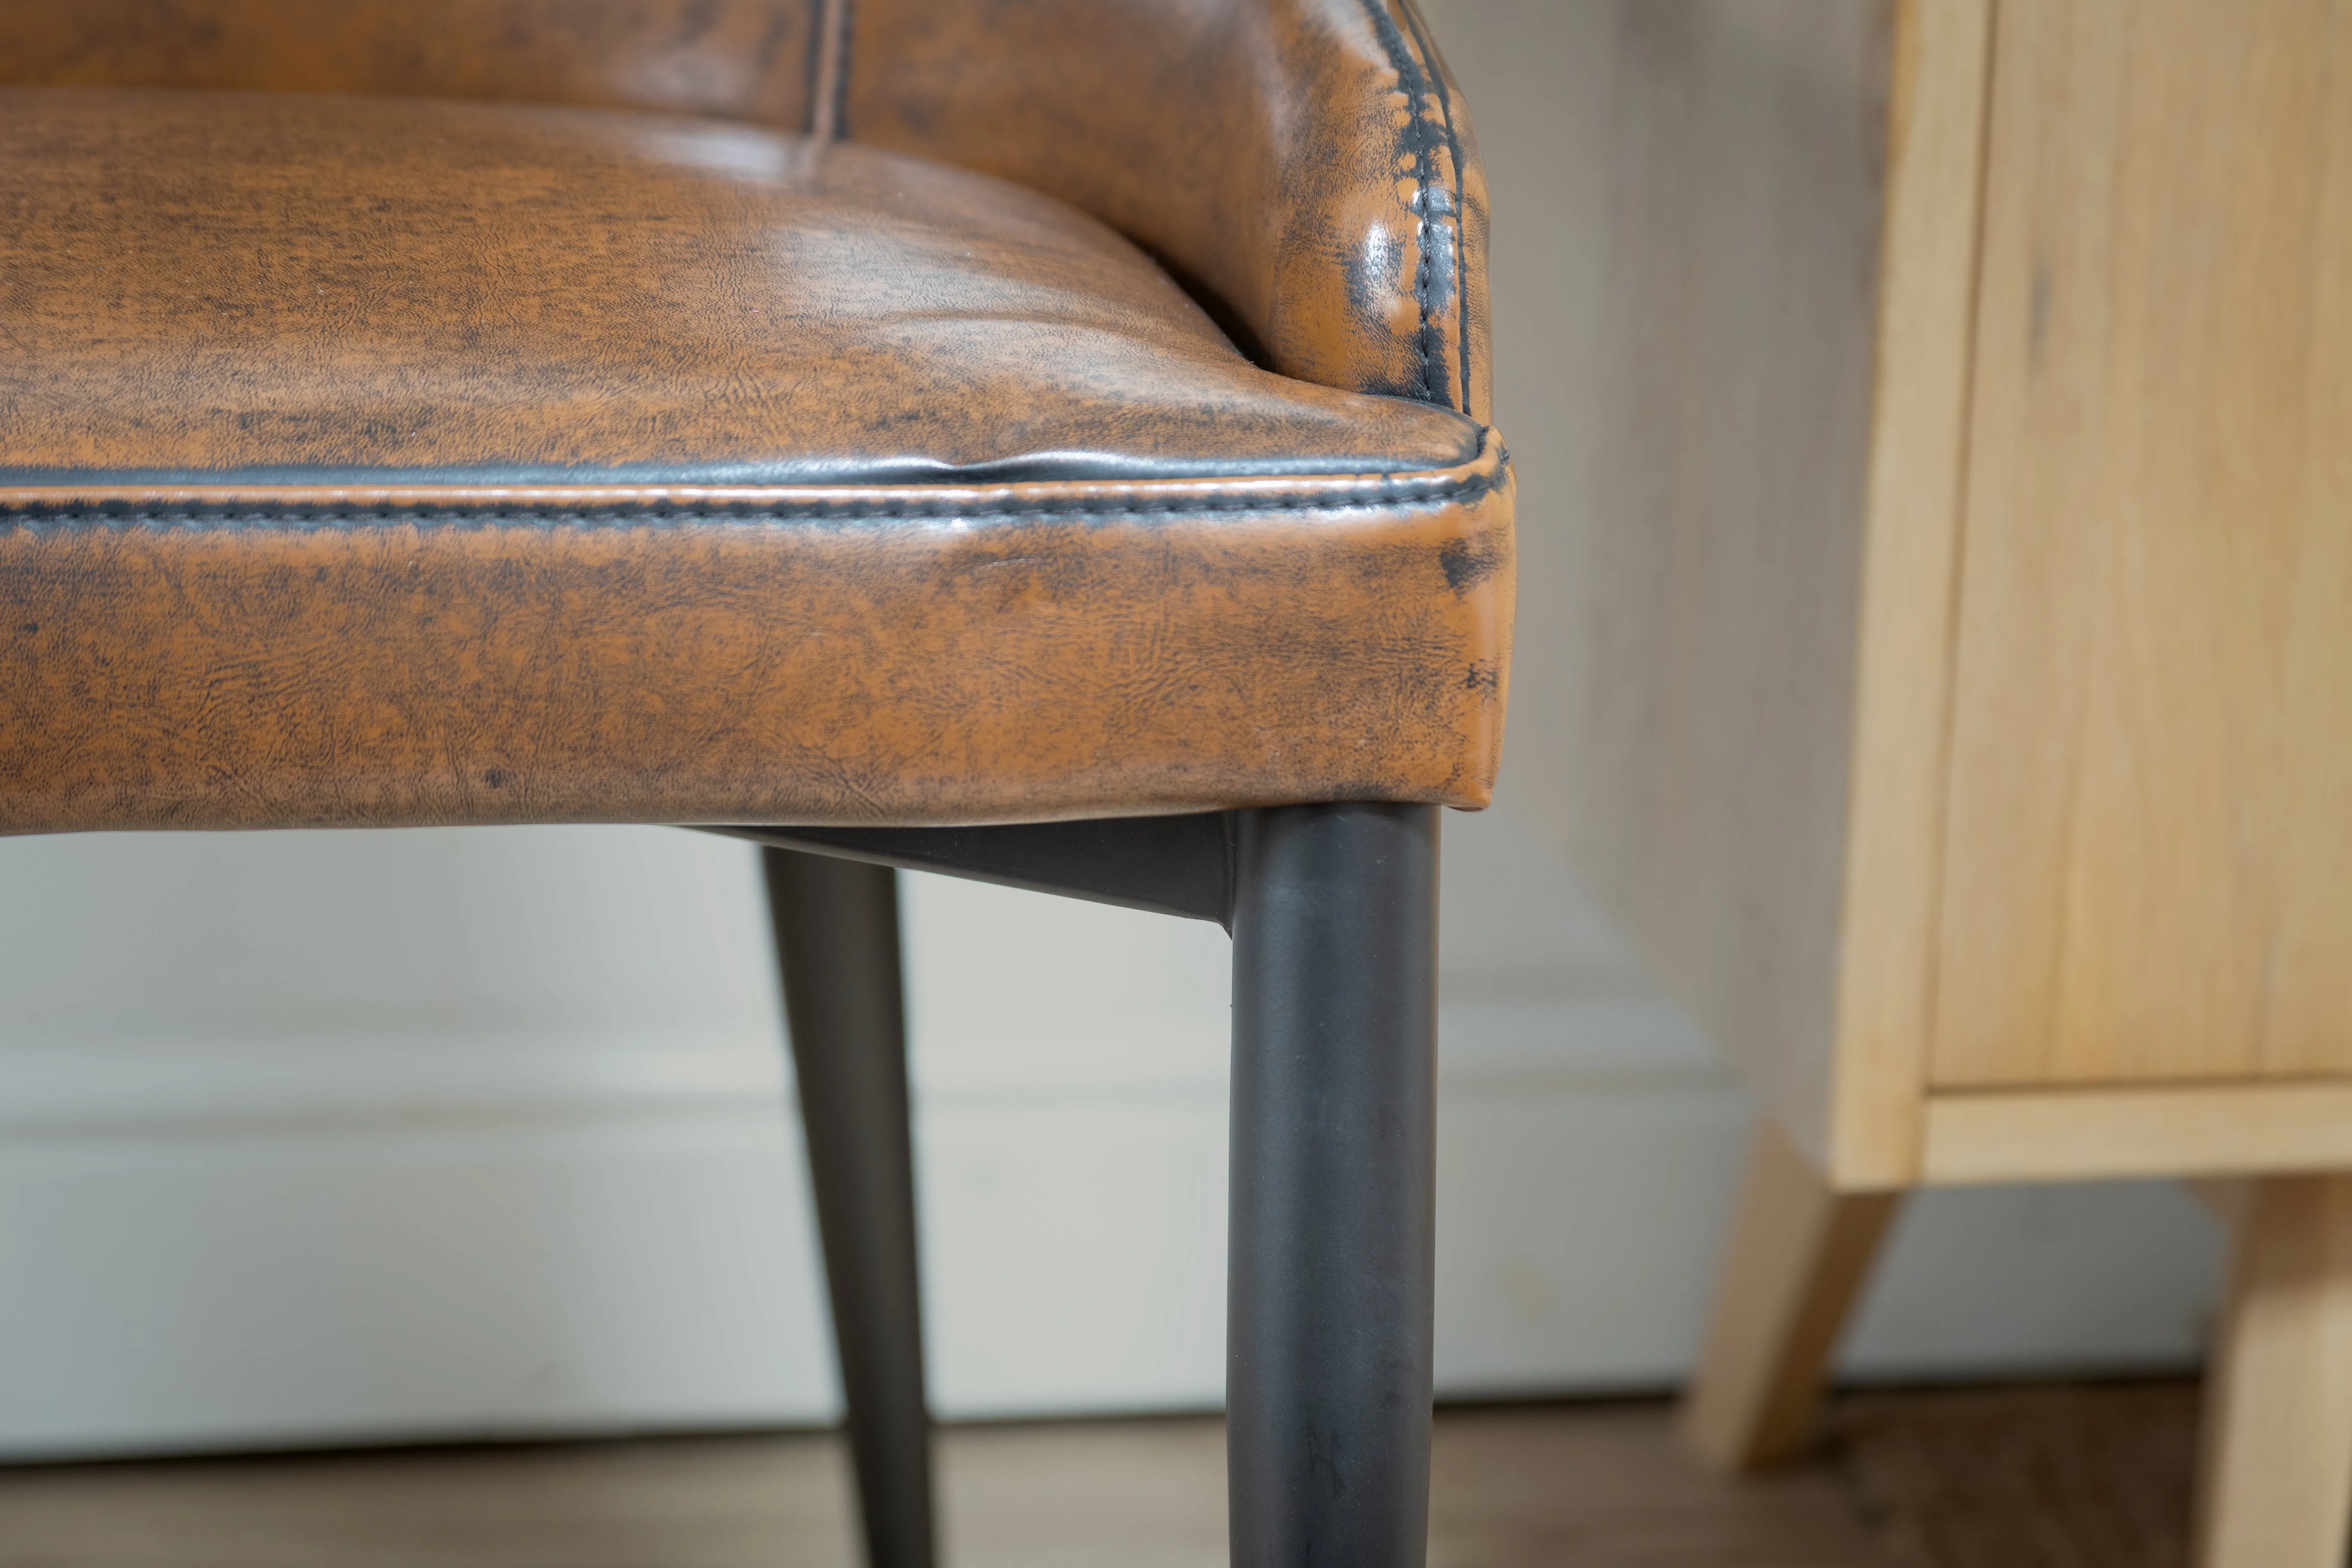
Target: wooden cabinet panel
column 2148, row 870
column 1718, row 276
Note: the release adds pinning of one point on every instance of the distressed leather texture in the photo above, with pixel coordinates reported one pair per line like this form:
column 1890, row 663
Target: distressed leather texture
column 441, row 427
column 735, row 60
column 1309, row 161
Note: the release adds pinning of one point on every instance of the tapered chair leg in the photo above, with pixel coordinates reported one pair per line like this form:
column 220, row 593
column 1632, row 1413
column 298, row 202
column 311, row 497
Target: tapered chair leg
column 837, row 945
column 1331, row 1269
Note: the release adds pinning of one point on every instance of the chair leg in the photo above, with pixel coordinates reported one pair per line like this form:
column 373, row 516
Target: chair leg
column 1799, row 1252
column 1331, row 1269
column 2276, row 1490
column 836, row 926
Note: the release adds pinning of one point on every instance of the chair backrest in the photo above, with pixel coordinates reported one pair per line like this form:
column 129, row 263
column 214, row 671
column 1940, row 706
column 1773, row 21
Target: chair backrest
column 1305, row 163
column 744, row 59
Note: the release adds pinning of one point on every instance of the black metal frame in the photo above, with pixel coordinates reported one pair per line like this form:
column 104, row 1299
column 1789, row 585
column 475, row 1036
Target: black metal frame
column 836, row 925
column 1167, row 865
column 1333, row 912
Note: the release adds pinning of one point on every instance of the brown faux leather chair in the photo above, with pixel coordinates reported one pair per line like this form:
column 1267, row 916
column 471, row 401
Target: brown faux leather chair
column 1041, row 441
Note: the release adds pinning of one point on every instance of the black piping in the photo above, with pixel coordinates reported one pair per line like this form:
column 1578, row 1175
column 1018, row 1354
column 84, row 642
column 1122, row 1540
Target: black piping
column 1381, row 493
column 1032, row 468
column 1461, row 185
column 847, row 10
column 828, row 76
column 815, row 66
column 1415, row 85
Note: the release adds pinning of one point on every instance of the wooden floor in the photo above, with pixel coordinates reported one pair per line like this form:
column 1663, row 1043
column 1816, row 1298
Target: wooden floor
column 2027, row 1477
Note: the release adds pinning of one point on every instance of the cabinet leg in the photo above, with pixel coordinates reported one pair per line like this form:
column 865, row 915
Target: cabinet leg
column 1800, row 1251
column 2276, row 1487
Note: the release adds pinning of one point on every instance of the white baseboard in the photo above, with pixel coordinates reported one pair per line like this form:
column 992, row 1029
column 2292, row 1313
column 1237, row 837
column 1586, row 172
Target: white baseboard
column 502, row 1148
column 259, row 1288
column 378, row 1260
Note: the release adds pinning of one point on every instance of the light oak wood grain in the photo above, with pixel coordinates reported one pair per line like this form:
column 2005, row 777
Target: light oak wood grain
column 2187, row 1130
column 2276, row 1485
column 1799, row 1252
column 2094, row 832
column 1926, row 290
column 2150, row 831
column 1766, row 417
column 1722, row 274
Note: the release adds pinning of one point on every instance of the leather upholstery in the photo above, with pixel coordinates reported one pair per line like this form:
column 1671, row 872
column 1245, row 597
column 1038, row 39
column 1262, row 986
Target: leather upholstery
column 376, row 461
column 738, row 59
column 211, row 281
column 1309, row 161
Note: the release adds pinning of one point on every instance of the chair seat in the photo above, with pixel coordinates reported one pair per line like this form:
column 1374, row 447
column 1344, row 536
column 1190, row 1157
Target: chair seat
column 387, row 460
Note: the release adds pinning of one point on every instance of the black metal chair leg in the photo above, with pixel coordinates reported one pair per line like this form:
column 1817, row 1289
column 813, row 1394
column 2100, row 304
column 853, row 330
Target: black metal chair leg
column 1332, row 1262
column 837, row 944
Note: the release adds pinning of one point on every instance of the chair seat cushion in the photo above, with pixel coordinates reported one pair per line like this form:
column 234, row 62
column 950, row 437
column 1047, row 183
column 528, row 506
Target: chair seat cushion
column 381, row 461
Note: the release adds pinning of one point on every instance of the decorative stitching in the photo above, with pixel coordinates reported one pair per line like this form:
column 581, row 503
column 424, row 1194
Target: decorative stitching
column 1461, row 180
column 829, row 30
column 847, row 10
column 1414, row 84
column 198, row 516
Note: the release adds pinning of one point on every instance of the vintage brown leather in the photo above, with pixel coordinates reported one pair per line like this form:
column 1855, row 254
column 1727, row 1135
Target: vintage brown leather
column 739, row 60
column 365, row 460
column 1309, row 161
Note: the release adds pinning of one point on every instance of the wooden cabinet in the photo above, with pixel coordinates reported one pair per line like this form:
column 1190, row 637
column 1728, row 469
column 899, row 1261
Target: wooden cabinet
column 1962, row 714
column 2148, row 838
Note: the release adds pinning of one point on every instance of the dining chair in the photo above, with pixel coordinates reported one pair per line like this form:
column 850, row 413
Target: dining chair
column 1043, row 442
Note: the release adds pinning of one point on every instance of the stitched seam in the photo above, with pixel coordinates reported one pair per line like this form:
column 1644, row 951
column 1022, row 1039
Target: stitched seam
column 1412, row 83
column 840, row 128
column 198, row 517
column 1461, row 187
column 828, row 73
column 1392, row 492
column 814, row 67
